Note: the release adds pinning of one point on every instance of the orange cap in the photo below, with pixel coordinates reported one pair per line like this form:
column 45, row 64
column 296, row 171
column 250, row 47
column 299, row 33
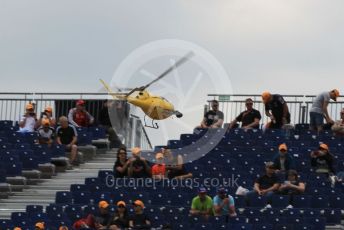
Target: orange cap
column 324, row 146
column 45, row 121
column 121, row 203
column 103, row 204
column 63, row 228
column 159, row 156
column 49, row 109
column 266, row 96
column 336, row 94
column 139, row 203
column 29, row 106
column 135, row 151
column 17, row 228
column 282, row 147
column 40, row 225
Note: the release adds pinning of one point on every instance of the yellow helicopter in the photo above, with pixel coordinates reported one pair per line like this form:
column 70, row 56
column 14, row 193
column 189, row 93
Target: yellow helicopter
column 155, row 107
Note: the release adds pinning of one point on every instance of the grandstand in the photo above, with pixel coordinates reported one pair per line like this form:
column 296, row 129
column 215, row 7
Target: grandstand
column 37, row 185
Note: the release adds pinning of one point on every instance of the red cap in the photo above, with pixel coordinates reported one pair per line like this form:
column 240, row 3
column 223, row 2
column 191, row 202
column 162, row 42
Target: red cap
column 80, row 102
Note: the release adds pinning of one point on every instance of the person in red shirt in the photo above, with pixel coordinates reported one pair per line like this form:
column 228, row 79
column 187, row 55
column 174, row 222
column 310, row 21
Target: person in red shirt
column 79, row 117
column 159, row 169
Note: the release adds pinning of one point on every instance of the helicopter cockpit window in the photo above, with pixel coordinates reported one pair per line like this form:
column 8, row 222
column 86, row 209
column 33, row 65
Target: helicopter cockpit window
column 164, row 99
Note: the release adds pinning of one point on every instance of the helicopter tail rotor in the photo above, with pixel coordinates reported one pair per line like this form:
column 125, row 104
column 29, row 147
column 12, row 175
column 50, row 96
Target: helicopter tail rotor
column 178, row 114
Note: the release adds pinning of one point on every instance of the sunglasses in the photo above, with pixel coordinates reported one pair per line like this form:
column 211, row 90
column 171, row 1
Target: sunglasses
column 215, row 105
column 121, row 206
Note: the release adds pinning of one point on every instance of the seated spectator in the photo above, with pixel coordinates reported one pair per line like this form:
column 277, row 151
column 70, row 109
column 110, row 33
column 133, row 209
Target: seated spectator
column 283, row 161
column 277, row 109
column 213, row 118
column 120, row 219
column 223, row 204
column 104, row 217
column 139, row 220
column 292, row 186
column 175, row 165
column 39, row 226
column 28, row 121
column 122, row 163
column 47, row 114
column 267, row 184
column 104, row 121
column 249, row 118
column 79, row 117
column 45, row 133
column 17, row 228
column 138, row 167
column 338, row 127
column 202, row 204
column 159, row 168
column 322, row 160
column 67, row 136
column 84, row 223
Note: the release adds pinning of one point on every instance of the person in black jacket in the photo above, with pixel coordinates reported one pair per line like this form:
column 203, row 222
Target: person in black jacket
column 121, row 217
column 322, row 160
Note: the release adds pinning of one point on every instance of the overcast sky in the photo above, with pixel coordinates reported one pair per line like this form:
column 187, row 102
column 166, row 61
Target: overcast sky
column 289, row 46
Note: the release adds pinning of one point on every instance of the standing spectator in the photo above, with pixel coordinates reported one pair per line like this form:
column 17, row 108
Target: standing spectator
column 322, row 160
column 104, row 217
column 213, row 118
column 159, row 169
column 175, row 165
column 138, row 167
column 283, row 161
column 120, row 219
column 28, row 121
column 105, row 121
column 68, row 136
column 47, row 114
column 292, row 186
column 338, row 127
column 79, row 117
column 45, row 133
column 202, row 204
column 319, row 110
column 267, row 184
column 139, row 220
column 277, row 109
column 122, row 163
column 223, row 204
column 249, row 118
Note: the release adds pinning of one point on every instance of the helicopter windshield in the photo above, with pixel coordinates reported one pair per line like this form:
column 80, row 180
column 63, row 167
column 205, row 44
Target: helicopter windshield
column 165, row 99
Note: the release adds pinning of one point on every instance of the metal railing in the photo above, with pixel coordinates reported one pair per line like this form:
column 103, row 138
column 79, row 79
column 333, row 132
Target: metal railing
column 12, row 107
column 299, row 105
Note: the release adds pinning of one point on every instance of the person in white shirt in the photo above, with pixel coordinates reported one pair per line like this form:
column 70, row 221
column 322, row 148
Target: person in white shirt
column 28, row 121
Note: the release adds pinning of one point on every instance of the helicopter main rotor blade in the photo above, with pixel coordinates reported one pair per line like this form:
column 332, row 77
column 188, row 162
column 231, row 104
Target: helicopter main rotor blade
column 178, row 63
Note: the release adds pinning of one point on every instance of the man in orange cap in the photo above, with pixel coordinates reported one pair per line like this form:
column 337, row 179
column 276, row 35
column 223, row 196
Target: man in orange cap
column 283, row 161
column 39, row 226
column 79, row 117
column 104, row 217
column 46, row 114
column 277, row 109
column 28, row 121
column 45, row 133
column 319, row 110
column 159, row 169
column 138, row 166
column 322, row 160
column 139, row 220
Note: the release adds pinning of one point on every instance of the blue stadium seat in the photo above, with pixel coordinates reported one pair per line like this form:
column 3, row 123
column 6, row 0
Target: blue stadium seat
column 79, row 188
column 63, row 197
column 284, row 227
column 333, row 216
column 38, row 217
column 33, row 209
column 85, row 138
column 318, row 223
column 263, row 227
column 97, row 132
column 14, row 169
column 337, row 201
column 240, row 226
column 6, row 224
column 279, row 201
column 320, row 201
column 17, row 217
column 74, row 212
column 301, row 201
column 82, row 198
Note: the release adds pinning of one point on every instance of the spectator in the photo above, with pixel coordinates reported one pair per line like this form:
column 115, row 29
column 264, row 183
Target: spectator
column 45, row 133
column 175, row 165
column 47, row 114
column 267, row 184
column 63, row 227
column 67, row 136
column 322, row 160
column 79, row 117
column 277, row 109
column 202, row 204
column 138, row 167
column 17, row 228
column 213, row 118
column 104, row 120
column 28, row 121
column 249, row 118
column 39, row 226
column 338, row 127
column 104, row 217
column 159, row 169
column 292, row 186
column 120, row 219
column 283, row 161
column 139, row 220
column 319, row 110
column 122, row 163
column 223, row 204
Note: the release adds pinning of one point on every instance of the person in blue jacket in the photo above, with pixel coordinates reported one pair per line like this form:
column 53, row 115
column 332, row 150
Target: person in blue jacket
column 283, row 161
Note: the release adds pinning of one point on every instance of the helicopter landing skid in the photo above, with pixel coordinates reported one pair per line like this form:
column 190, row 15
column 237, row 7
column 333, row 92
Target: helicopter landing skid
column 153, row 126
